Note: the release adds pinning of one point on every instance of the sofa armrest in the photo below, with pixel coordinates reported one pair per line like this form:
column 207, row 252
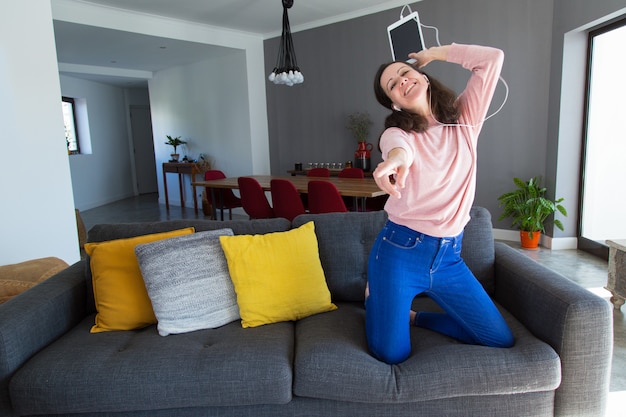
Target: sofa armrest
column 575, row 322
column 37, row 317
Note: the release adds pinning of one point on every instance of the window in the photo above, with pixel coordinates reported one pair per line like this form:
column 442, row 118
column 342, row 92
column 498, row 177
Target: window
column 602, row 203
column 71, row 130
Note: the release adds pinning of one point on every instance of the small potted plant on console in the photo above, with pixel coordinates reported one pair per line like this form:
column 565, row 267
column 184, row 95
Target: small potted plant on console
column 175, row 142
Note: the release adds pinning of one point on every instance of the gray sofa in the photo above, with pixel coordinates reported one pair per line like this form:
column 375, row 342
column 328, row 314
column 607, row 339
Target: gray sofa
column 318, row 366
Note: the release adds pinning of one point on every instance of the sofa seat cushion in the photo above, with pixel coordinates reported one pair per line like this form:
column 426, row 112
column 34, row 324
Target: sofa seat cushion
column 332, row 361
column 139, row 370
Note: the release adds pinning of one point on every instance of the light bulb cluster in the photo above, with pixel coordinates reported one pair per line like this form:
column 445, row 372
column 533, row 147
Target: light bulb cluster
column 294, row 76
column 286, row 71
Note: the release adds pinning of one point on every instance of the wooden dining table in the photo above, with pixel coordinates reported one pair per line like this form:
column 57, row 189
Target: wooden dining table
column 359, row 188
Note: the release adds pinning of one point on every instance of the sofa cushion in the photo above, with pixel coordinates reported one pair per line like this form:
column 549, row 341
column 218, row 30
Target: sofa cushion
column 478, row 248
column 352, row 235
column 277, row 276
column 86, row 372
column 188, row 282
column 119, row 291
column 345, row 241
column 333, row 347
column 104, row 232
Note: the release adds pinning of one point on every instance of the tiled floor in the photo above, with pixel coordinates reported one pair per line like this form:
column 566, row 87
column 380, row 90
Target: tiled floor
column 587, row 270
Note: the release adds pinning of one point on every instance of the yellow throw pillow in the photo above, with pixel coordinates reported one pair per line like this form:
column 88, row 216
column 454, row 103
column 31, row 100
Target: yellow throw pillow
column 277, row 276
column 122, row 301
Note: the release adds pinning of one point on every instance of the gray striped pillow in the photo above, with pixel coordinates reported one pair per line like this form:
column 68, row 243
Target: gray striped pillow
column 188, row 282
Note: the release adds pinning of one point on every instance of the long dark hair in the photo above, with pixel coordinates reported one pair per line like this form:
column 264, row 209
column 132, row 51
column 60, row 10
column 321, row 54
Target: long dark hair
column 442, row 100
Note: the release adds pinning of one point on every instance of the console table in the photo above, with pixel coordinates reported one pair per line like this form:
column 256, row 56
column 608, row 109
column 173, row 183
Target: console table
column 180, row 168
column 617, row 271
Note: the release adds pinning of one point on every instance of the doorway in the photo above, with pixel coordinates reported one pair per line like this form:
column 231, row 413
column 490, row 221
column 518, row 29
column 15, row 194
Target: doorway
column 603, row 170
column 145, row 163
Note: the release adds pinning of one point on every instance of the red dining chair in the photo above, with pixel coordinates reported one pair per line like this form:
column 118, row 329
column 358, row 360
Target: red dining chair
column 318, row 172
column 286, row 199
column 325, row 198
column 224, row 198
column 314, row 172
column 351, row 173
column 253, row 199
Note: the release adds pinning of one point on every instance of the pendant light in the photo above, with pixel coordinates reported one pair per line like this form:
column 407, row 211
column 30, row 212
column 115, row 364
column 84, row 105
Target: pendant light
column 286, row 70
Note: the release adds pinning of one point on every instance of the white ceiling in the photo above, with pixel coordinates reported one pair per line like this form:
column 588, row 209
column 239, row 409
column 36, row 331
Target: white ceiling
column 129, row 56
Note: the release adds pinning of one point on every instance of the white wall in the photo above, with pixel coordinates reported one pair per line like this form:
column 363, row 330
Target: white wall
column 252, row 61
column 239, row 139
column 37, row 211
column 104, row 175
column 206, row 105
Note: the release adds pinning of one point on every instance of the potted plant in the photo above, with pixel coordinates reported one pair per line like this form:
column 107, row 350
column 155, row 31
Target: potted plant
column 359, row 125
column 175, row 142
column 528, row 209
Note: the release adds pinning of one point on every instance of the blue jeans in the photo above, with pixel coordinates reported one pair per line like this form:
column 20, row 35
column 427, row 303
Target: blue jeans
column 404, row 263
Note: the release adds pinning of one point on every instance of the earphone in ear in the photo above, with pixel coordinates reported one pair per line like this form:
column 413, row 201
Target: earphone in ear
column 396, row 108
column 426, row 78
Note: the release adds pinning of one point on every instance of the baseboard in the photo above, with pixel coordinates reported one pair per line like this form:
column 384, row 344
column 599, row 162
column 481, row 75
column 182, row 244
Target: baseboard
column 559, row 243
column 93, row 204
column 548, row 242
column 508, row 235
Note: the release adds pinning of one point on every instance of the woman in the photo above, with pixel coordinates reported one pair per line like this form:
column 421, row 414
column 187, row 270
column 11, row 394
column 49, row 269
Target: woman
column 429, row 171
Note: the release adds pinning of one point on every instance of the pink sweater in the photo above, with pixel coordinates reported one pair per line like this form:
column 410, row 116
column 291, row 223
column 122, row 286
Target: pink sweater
column 441, row 183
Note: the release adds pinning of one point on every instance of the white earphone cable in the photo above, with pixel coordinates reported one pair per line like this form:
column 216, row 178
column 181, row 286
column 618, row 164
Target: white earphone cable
column 406, row 6
column 506, row 86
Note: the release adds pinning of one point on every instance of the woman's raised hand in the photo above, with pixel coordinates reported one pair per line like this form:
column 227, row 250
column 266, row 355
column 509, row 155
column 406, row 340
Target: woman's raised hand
column 396, row 166
column 426, row 56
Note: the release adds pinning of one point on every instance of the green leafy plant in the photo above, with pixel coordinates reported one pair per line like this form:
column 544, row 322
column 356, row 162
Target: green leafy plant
column 175, row 142
column 359, row 124
column 528, row 208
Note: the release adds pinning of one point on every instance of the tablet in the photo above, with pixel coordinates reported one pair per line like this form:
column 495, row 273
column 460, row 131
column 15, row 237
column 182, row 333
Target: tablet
column 405, row 36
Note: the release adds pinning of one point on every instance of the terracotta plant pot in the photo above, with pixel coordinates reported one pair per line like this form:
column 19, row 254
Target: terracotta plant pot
column 527, row 241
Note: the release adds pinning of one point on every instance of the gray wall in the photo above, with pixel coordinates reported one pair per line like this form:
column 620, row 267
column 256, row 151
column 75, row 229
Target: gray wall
column 307, row 122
